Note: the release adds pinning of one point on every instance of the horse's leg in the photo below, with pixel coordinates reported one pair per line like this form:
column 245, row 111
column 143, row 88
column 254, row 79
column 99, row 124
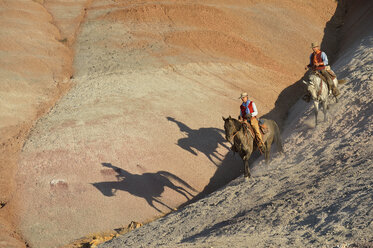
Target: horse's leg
column 247, row 149
column 325, row 106
column 268, row 150
column 316, row 103
column 336, row 91
column 245, row 159
column 247, row 169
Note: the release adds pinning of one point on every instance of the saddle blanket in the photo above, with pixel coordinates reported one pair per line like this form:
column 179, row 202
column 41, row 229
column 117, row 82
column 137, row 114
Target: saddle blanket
column 263, row 128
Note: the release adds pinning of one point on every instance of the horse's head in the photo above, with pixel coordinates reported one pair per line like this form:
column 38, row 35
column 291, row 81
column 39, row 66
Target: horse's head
column 312, row 84
column 312, row 79
column 231, row 126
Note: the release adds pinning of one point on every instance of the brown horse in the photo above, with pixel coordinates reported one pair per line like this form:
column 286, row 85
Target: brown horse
column 243, row 143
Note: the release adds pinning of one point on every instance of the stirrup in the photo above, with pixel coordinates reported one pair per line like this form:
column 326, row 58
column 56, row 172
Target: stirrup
column 335, row 92
column 261, row 148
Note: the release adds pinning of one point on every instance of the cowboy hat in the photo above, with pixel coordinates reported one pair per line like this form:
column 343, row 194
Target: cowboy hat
column 315, row 44
column 243, row 95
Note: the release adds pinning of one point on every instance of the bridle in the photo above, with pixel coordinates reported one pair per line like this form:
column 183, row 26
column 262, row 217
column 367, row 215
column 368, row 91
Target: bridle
column 321, row 83
column 233, row 135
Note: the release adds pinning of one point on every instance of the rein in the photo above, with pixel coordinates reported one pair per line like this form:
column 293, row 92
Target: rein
column 319, row 92
column 235, row 133
column 321, row 83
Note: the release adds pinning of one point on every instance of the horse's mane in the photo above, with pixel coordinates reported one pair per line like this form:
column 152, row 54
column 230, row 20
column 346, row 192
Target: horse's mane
column 236, row 122
column 317, row 86
column 313, row 77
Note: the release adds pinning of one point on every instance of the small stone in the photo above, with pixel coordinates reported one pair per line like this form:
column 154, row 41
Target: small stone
column 133, row 225
column 58, row 184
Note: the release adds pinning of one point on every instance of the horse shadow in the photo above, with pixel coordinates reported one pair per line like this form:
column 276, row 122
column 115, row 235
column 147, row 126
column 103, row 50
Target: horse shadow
column 205, row 140
column 149, row 186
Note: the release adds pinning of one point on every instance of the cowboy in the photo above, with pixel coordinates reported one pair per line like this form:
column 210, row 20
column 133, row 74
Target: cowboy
column 248, row 113
column 318, row 62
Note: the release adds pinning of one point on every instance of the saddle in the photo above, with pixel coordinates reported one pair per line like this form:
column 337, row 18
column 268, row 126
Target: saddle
column 334, row 90
column 322, row 77
column 262, row 127
column 331, row 72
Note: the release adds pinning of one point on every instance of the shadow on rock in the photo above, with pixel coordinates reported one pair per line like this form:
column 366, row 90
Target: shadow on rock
column 287, row 98
column 205, row 140
column 149, row 186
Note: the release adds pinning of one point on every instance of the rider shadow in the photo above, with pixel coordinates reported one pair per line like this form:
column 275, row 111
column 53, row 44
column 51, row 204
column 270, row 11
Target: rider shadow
column 149, row 186
column 205, row 140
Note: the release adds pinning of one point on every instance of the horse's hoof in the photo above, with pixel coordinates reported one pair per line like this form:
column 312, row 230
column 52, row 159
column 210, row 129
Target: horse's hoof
column 246, row 179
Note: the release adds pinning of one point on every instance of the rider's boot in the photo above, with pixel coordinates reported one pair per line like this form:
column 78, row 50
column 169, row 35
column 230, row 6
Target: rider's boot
column 261, row 145
column 330, row 87
column 335, row 91
column 329, row 81
column 258, row 135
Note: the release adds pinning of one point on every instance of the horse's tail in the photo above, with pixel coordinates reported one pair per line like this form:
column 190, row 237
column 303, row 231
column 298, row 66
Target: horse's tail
column 176, row 178
column 278, row 137
column 342, row 81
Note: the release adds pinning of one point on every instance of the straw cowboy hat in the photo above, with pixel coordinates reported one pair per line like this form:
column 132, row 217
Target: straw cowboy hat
column 243, row 95
column 315, row 44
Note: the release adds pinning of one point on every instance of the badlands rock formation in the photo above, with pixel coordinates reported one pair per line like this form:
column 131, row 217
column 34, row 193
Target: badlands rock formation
column 317, row 195
column 35, row 69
